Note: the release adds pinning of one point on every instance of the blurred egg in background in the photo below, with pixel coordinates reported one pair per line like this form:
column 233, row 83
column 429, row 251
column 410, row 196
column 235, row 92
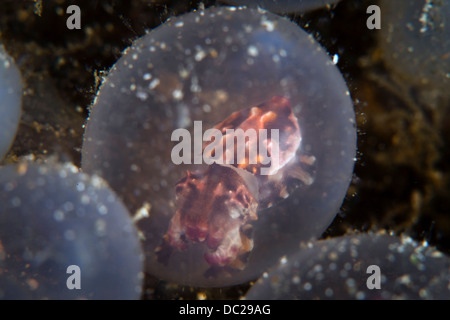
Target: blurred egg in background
column 54, row 219
column 10, row 100
column 358, row 267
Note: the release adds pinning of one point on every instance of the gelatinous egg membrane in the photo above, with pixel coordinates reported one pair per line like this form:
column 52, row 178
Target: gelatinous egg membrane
column 344, row 268
column 52, row 217
column 10, row 100
column 203, row 66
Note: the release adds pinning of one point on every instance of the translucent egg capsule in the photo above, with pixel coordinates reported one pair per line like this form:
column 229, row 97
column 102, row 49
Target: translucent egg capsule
column 365, row 266
column 65, row 235
column 159, row 128
column 10, row 100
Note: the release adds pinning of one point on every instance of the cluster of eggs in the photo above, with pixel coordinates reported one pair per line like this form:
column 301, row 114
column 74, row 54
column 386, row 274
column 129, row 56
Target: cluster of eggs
column 63, row 234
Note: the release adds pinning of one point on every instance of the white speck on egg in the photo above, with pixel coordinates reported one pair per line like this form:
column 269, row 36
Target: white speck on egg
column 177, row 94
column 252, row 51
column 335, row 59
column 153, row 84
column 200, row 55
column 142, row 95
